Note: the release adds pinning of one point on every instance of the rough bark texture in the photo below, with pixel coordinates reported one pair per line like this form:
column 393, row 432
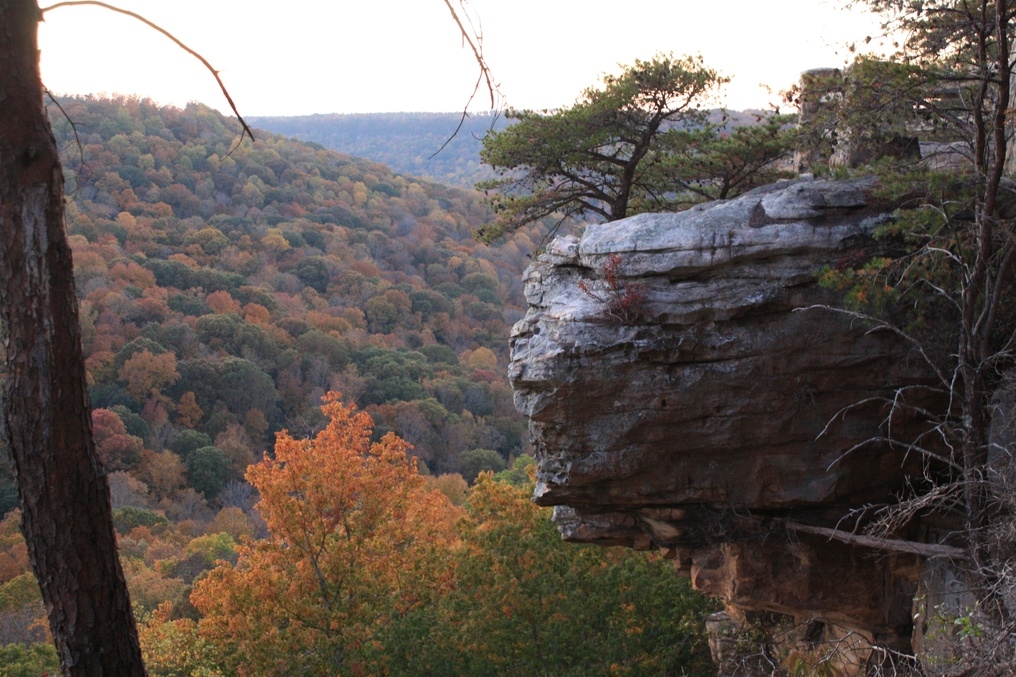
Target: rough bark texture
column 67, row 519
column 728, row 409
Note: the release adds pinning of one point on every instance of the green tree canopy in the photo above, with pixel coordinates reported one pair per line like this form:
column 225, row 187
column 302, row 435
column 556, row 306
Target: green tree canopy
column 525, row 603
column 720, row 161
column 475, row 461
column 639, row 143
column 208, row 470
column 591, row 158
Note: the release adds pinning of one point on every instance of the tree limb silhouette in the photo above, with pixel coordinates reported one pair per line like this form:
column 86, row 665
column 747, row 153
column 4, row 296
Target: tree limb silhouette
column 71, row 3
column 474, row 39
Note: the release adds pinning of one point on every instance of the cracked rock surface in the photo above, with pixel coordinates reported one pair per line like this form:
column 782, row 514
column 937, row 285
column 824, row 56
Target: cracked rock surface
column 738, row 399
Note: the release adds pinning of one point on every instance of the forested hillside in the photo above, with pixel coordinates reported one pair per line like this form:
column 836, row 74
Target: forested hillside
column 225, row 290
column 406, row 142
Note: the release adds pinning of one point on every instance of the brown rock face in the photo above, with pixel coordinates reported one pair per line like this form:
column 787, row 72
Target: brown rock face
column 733, row 401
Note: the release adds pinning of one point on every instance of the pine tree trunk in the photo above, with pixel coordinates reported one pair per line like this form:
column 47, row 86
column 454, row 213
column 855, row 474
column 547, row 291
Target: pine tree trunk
column 64, row 498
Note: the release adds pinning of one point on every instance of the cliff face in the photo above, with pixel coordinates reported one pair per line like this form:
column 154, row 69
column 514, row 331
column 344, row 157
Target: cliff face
column 731, row 415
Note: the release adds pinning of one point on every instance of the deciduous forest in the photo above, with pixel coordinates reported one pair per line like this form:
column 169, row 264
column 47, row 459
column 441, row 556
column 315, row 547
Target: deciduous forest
column 226, row 292
column 296, row 365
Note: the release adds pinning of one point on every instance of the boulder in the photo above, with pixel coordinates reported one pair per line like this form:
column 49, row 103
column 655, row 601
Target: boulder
column 691, row 386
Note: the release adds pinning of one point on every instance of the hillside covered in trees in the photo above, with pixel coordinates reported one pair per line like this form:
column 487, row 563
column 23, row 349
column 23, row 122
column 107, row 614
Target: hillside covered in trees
column 225, row 290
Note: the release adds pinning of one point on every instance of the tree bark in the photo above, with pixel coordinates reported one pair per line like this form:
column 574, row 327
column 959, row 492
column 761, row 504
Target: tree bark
column 62, row 490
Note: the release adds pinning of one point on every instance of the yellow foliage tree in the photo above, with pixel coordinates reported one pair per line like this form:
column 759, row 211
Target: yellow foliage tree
column 355, row 542
column 481, row 358
column 145, row 374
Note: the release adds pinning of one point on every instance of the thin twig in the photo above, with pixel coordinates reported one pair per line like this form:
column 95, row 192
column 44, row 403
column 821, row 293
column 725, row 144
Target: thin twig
column 71, row 3
column 74, row 125
column 473, row 38
column 883, row 326
column 77, row 138
column 908, row 446
column 462, row 119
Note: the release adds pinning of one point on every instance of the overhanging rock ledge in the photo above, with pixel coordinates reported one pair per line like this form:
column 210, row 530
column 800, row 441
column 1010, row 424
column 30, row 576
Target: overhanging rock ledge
column 739, row 401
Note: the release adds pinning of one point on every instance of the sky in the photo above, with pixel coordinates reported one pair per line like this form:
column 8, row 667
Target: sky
column 300, row 57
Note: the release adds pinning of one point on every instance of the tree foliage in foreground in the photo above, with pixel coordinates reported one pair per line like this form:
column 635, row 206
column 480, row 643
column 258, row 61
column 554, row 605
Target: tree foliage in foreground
column 366, row 572
column 641, row 142
column 355, row 543
column 525, row 603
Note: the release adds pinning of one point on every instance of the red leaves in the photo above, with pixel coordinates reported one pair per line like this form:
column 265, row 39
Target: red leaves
column 625, row 302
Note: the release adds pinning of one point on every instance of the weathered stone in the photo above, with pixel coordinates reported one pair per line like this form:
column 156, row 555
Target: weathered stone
column 945, row 607
column 812, row 578
column 822, row 96
column 739, row 391
column 764, row 644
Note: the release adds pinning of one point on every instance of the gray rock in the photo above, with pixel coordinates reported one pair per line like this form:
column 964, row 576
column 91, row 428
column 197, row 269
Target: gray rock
column 737, row 389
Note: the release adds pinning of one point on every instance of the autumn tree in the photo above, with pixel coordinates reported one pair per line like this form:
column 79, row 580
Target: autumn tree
column 639, row 143
column 117, row 449
column 188, row 413
column 354, row 543
column 145, row 374
column 526, row 603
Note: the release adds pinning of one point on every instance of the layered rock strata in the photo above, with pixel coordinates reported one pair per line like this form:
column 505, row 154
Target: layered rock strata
column 691, row 386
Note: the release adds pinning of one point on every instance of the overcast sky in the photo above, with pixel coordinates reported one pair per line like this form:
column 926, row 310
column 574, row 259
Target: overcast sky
column 296, row 57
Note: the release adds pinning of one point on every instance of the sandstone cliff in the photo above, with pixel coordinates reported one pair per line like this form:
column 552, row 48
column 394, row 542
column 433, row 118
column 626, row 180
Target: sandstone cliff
column 729, row 416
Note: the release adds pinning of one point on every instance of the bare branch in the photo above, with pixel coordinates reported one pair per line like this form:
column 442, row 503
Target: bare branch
column 77, row 138
column 474, row 39
column 884, row 326
column 908, row 446
column 929, row 550
column 994, row 296
column 71, row 3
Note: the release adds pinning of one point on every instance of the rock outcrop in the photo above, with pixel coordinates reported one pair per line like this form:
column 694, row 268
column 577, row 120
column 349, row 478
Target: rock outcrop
column 691, row 387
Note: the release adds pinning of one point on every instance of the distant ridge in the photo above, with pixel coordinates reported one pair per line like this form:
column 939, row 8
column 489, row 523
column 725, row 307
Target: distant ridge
column 403, row 141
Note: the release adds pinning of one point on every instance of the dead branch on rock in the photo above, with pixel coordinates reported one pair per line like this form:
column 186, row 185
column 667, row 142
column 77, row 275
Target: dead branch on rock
column 625, row 303
column 886, row 544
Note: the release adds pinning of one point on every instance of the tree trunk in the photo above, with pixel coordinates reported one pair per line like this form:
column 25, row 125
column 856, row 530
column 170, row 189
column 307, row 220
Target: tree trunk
column 62, row 491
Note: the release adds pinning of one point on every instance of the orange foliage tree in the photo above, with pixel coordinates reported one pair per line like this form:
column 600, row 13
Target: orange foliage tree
column 355, row 543
column 117, row 449
column 145, row 374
